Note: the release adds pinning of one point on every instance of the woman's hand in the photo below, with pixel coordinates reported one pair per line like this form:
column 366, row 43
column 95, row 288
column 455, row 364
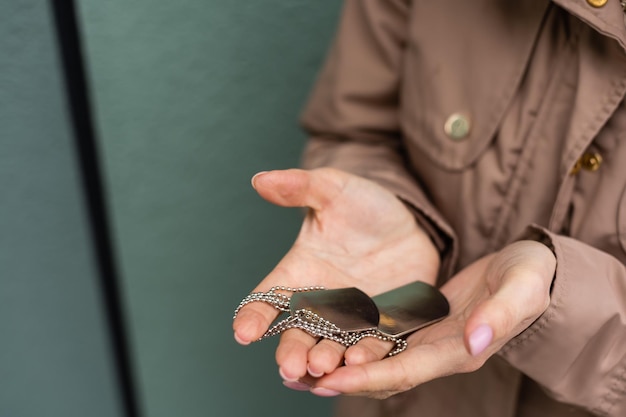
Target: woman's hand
column 492, row 301
column 356, row 234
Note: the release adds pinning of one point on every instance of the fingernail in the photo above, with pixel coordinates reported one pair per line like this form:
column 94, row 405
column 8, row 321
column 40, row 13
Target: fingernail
column 296, row 385
column 325, row 392
column 257, row 175
column 314, row 374
column 479, row 339
column 241, row 341
column 285, row 377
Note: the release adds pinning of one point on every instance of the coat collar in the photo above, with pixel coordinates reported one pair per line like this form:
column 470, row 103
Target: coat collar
column 608, row 20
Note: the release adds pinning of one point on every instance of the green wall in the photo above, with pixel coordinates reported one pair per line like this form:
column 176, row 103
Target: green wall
column 55, row 356
column 192, row 97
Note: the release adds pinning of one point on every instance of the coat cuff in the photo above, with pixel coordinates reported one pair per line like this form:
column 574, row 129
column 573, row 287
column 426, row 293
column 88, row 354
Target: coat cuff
column 577, row 349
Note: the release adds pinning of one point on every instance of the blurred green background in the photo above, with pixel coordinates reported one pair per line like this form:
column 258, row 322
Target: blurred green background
column 190, row 99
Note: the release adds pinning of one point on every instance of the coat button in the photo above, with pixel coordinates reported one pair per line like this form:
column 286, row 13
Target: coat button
column 597, row 3
column 457, row 126
column 590, row 161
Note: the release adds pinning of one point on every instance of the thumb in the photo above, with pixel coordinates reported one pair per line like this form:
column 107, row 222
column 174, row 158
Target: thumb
column 518, row 297
column 514, row 306
column 299, row 188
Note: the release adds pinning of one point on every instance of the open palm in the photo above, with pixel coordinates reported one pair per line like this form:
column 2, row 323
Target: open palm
column 356, row 234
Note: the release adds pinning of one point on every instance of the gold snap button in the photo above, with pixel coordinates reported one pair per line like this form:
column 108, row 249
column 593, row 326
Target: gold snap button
column 591, row 161
column 597, row 3
column 457, row 126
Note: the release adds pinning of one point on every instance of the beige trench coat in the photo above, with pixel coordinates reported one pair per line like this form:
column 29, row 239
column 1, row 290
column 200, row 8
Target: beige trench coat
column 479, row 115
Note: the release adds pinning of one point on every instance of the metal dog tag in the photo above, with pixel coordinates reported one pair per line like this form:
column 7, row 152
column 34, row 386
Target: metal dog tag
column 350, row 309
column 409, row 308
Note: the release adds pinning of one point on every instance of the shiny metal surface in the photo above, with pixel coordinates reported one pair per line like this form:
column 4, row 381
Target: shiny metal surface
column 350, row 309
column 395, row 313
column 409, row 308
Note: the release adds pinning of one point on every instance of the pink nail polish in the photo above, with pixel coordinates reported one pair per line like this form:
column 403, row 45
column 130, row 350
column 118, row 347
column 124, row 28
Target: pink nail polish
column 480, row 338
column 325, row 392
column 296, row 385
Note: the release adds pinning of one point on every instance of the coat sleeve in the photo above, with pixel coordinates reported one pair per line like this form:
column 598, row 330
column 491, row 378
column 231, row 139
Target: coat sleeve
column 352, row 114
column 577, row 349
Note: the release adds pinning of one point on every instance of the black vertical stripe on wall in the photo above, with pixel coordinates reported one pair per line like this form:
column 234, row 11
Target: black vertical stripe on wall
column 77, row 91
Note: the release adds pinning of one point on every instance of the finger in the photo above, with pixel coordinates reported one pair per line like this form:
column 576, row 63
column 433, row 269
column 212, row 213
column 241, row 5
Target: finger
column 520, row 300
column 299, row 188
column 368, row 349
column 252, row 322
column 292, row 354
column 379, row 379
column 325, row 357
column 253, row 319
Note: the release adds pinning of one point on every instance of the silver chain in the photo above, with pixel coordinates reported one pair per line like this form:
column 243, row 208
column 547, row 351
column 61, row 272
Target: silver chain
column 278, row 300
column 312, row 323
column 623, row 3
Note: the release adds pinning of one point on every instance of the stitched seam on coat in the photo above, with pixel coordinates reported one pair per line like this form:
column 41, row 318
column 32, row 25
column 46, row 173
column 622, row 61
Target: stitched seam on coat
column 590, row 131
column 582, row 11
column 593, row 127
column 608, row 401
